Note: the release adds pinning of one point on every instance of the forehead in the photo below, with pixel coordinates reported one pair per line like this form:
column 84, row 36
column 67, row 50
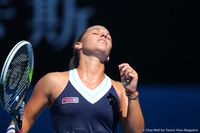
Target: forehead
column 98, row 28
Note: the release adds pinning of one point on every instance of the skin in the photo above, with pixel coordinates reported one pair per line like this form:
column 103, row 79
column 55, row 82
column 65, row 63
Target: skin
column 94, row 49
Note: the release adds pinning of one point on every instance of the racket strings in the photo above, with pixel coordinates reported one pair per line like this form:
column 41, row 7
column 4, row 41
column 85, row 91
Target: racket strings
column 17, row 78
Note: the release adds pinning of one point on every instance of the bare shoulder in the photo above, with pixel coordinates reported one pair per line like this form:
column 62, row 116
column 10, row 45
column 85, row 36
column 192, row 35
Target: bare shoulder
column 55, row 77
column 54, row 81
column 51, row 85
column 118, row 87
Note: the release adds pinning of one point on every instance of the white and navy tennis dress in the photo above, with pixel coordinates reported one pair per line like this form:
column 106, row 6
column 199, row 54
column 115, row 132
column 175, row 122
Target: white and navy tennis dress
column 81, row 110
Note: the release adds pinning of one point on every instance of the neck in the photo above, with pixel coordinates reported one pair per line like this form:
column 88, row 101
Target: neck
column 91, row 70
column 91, row 65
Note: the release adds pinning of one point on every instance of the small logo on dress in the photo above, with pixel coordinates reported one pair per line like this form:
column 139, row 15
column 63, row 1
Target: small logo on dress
column 70, row 100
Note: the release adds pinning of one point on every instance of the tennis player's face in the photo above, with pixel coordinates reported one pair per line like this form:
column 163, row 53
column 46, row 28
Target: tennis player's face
column 97, row 38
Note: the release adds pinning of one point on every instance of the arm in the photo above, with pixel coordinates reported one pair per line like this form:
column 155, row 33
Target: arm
column 36, row 103
column 131, row 114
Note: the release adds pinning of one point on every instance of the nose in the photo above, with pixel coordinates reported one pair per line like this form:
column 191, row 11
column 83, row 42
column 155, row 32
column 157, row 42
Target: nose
column 103, row 34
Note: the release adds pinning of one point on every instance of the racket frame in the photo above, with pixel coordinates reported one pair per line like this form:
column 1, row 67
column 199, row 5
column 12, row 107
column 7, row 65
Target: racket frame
column 21, row 102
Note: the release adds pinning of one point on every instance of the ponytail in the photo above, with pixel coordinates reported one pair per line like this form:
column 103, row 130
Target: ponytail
column 74, row 62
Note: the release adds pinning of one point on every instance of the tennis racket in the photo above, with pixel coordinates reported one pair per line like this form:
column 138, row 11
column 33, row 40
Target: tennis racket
column 15, row 80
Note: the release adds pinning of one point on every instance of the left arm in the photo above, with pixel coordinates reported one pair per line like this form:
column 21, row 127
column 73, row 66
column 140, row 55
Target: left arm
column 131, row 114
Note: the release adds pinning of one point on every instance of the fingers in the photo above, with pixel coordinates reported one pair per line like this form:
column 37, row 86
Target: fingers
column 127, row 72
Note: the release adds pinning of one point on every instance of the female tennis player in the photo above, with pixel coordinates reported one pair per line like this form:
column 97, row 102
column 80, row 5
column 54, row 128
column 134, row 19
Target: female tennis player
column 85, row 99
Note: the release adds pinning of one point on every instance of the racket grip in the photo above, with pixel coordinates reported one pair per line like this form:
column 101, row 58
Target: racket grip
column 20, row 131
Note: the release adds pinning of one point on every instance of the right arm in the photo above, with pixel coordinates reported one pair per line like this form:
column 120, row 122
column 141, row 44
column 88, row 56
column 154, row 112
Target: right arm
column 40, row 98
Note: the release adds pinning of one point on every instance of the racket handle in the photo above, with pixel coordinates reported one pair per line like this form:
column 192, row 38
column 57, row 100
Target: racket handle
column 20, row 115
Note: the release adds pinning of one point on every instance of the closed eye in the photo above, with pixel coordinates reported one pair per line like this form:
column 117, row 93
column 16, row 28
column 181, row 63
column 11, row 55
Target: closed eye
column 108, row 37
column 96, row 33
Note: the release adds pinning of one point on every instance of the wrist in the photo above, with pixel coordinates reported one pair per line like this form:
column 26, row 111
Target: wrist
column 132, row 96
column 130, row 92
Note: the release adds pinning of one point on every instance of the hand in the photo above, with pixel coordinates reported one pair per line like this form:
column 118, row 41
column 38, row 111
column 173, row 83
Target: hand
column 129, row 77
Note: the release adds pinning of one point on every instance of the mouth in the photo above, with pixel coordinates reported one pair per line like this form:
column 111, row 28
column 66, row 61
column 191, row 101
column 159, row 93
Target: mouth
column 102, row 40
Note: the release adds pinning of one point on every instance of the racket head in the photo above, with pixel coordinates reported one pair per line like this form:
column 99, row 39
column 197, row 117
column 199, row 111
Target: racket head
column 16, row 76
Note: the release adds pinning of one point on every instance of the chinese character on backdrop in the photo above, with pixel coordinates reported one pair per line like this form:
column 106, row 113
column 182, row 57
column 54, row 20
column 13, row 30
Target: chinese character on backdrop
column 57, row 30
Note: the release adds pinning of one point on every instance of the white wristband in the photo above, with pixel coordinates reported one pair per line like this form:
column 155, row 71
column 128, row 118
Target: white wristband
column 11, row 129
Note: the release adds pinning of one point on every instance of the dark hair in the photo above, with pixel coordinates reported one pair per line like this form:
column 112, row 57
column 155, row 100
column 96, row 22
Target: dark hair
column 74, row 62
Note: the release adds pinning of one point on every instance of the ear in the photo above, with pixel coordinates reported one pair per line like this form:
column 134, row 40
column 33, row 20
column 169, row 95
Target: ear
column 108, row 58
column 78, row 46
